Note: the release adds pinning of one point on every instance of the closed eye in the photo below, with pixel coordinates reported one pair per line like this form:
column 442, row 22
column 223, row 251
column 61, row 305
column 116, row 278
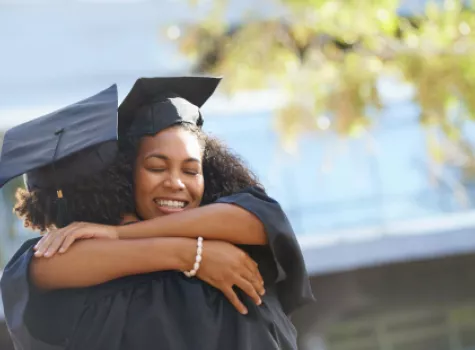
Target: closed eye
column 156, row 170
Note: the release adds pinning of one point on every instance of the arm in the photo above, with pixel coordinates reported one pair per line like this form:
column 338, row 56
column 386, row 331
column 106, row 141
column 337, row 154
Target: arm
column 91, row 262
column 221, row 221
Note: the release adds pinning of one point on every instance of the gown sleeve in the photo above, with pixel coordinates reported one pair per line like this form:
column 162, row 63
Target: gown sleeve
column 292, row 281
column 35, row 319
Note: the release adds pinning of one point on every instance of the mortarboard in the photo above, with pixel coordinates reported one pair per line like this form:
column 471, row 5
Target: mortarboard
column 154, row 104
column 56, row 149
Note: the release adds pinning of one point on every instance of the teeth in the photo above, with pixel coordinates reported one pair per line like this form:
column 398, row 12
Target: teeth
column 170, row 204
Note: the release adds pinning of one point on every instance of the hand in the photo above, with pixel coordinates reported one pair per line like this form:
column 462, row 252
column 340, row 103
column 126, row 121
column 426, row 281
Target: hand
column 61, row 239
column 224, row 265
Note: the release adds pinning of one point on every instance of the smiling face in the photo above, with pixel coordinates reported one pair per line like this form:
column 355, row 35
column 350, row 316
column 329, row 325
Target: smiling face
column 168, row 173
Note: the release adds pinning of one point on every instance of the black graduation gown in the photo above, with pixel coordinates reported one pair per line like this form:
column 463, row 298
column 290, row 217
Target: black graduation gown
column 164, row 310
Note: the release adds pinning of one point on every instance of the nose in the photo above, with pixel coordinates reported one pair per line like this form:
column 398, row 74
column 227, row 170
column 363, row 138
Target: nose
column 174, row 182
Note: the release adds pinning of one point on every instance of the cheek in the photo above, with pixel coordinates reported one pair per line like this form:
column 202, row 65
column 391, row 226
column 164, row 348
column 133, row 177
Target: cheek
column 142, row 181
column 197, row 188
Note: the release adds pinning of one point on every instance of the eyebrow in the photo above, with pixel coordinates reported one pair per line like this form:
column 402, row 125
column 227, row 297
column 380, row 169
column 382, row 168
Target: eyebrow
column 164, row 157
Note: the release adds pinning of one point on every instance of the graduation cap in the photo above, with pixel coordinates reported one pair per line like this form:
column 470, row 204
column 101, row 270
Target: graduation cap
column 58, row 148
column 154, row 104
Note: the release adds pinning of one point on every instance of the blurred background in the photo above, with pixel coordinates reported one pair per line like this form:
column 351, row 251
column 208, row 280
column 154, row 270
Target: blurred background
column 358, row 116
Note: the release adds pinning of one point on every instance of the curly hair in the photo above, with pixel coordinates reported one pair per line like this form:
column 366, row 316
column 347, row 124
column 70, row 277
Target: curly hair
column 224, row 171
column 107, row 196
column 102, row 198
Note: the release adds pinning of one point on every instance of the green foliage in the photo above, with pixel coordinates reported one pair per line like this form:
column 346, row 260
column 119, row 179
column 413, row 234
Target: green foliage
column 328, row 55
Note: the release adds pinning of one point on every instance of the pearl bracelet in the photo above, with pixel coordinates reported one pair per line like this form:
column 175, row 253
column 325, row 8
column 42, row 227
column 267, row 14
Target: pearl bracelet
column 196, row 266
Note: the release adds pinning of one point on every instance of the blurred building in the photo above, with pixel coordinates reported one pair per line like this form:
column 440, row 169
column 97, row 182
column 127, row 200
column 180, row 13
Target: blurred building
column 391, row 254
column 387, row 237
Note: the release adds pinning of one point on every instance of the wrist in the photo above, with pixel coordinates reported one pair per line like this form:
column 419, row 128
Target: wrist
column 125, row 231
column 115, row 232
column 186, row 254
column 196, row 265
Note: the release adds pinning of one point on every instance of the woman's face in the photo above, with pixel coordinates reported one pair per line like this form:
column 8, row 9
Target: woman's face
column 168, row 173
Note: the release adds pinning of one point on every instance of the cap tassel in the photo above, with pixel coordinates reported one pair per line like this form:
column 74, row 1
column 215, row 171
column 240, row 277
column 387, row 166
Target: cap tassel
column 62, row 218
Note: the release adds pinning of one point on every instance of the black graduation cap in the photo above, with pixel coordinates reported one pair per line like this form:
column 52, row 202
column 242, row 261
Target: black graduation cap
column 56, row 149
column 154, row 104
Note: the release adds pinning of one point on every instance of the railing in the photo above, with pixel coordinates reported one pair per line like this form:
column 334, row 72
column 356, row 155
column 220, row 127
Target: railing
column 439, row 327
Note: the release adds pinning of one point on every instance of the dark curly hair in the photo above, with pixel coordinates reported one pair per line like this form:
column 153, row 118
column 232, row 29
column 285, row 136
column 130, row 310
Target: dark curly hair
column 107, row 196
column 224, row 171
column 102, row 198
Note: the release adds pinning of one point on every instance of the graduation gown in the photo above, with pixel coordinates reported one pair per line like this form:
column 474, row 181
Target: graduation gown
column 165, row 310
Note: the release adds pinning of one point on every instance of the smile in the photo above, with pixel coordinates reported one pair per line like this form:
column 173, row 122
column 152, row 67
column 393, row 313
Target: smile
column 170, row 204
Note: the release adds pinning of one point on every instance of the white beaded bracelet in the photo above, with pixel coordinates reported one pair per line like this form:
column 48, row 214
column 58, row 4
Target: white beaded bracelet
column 196, row 266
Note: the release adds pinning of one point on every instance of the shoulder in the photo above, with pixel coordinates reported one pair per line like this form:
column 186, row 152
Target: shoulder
column 25, row 247
column 254, row 192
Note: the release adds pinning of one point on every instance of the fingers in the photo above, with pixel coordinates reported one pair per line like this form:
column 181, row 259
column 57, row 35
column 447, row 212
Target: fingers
column 67, row 242
column 248, row 288
column 254, row 280
column 51, row 242
column 234, row 300
column 43, row 244
column 56, row 243
column 254, row 276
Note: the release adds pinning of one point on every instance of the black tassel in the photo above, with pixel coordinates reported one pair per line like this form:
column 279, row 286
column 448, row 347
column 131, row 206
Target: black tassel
column 62, row 219
column 61, row 204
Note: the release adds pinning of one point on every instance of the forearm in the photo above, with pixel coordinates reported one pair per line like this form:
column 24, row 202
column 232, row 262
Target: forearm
column 224, row 222
column 91, row 262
